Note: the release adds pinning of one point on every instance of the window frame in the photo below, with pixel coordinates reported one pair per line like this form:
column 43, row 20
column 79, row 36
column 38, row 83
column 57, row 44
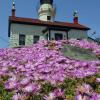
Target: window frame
column 59, row 34
column 22, row 38
column 34, row 38
column 48, row 18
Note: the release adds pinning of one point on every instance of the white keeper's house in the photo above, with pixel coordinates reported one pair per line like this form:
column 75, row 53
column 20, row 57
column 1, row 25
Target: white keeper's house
column 26, row 31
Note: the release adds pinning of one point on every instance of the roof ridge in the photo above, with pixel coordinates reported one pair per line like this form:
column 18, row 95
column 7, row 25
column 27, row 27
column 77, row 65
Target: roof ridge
column 55, row 23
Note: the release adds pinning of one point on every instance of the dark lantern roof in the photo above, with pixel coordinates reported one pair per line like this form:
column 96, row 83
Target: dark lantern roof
column 46, row 2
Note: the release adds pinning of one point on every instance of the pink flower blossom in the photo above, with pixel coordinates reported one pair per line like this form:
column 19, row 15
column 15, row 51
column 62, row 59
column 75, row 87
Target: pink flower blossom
column 25, row 81
column 31, row 88
column 51, row 96
column 18, row 96
column 98, row 80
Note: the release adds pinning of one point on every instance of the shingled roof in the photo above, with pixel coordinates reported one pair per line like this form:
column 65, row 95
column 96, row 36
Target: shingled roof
column 38, row 22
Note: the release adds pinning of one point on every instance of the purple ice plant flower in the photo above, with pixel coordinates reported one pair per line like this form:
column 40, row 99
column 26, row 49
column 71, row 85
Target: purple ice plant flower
column 51, row 96
column 85, row 92
column 95, row 96
column 25, row 81
column 87, row 87
column 10, row 85
column 80, row 97
column 55, row 94
column 31, row 88
column 98, row 80
column 59, row 92
column 18, row 96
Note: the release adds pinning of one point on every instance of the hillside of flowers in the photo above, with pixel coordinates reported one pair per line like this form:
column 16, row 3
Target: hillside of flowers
column 42, row 72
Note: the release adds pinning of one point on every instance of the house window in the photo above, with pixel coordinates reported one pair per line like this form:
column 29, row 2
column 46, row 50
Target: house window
column 58, row 36
column 48, row 17
column 21, row 39
column 36, row 38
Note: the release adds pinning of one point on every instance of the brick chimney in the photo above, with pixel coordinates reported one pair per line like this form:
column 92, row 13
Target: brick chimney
column 13, row 12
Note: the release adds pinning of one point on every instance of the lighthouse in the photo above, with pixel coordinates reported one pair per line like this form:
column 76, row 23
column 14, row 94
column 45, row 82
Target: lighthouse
column 46, row 11
column 24, row 31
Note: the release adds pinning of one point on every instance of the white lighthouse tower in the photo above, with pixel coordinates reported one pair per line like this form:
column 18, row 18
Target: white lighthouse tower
column 46, row 11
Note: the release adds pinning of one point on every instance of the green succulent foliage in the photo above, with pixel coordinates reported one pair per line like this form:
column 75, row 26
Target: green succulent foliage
column 4, row 95
column 98, row 75
column 46, row 88
column 35, row 97
column 69, row 86
column 98, row 89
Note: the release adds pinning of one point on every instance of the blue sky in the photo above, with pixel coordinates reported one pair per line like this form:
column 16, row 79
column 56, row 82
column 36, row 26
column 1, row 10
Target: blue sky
column 88, row 10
